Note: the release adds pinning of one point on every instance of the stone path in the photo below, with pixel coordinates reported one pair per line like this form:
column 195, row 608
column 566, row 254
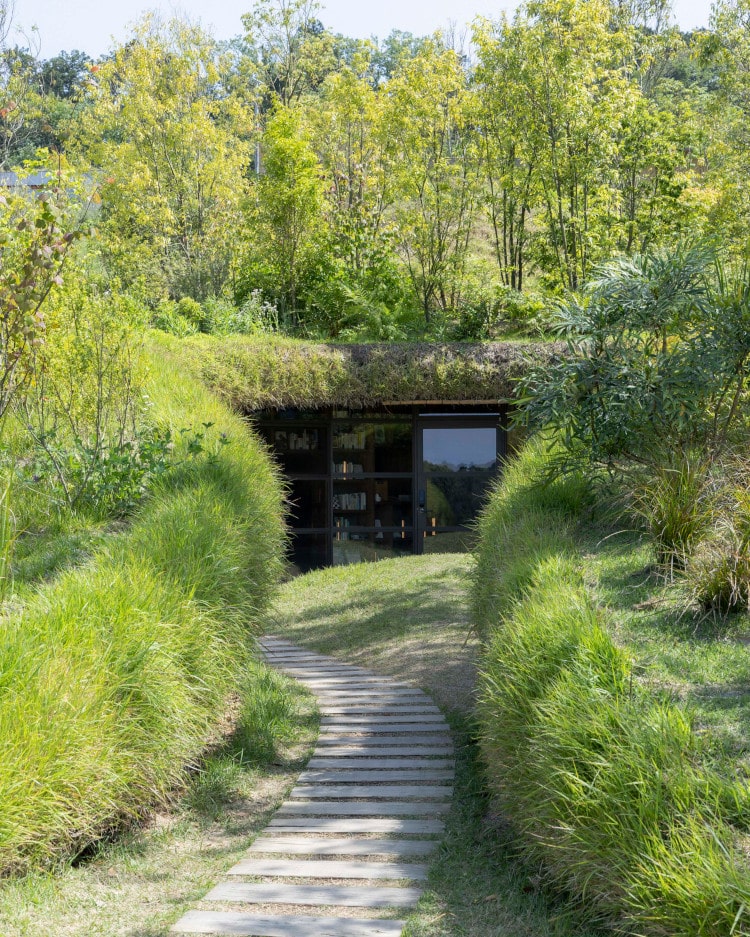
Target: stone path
column 347, row 851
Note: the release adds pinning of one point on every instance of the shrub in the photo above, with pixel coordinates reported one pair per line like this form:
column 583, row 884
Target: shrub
column 608, row 786
column 678, row 503
column 114, row 674
column 526, row 520
column 717, row 576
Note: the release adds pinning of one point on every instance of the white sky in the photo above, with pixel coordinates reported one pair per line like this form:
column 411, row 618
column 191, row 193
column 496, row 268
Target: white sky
column 91, row 25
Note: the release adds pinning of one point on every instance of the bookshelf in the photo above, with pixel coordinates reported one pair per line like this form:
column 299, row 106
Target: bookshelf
column 359, row 488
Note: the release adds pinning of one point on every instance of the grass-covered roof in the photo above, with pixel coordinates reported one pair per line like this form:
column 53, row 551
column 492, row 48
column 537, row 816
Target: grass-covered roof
column 256, row 373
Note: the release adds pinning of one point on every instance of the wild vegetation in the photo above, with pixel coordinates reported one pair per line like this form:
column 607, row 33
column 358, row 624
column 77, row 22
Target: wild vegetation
column 115, row 672
column 176, row 217
column 626, row 796
column 297, row 180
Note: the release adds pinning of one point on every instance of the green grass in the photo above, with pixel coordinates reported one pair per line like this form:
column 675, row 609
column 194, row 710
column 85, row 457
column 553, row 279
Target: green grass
column 617, row 796
column 702, row 661
column 409, row 617
column 145, row 879
column 273, row 371
column 115, row 672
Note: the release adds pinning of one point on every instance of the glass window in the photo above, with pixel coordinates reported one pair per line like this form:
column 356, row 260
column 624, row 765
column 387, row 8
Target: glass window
column 372, row 502
column 371, row 447
column 449, row 541
column 301, row 450
column 308, row 551
column 465, row 449
column 452, row 500
column 366, row 547
column 308, row 504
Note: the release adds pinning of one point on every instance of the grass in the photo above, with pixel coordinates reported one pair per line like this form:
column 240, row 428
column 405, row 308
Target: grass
column 143, row 881
column 701, row 661
column 409, row 617
column 254, row 373
column 594, row 757
column 115, row 672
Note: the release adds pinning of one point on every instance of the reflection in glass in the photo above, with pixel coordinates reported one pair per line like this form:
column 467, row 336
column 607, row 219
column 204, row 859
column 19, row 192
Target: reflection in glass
column 449, row 541
column 371, row 447
column 468, row 449
column 309, row 551
column 452, row 500
column 301, row 450
column 308, row 504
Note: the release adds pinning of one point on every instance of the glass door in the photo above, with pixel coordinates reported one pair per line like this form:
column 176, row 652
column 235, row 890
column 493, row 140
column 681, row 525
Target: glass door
column 457, row 460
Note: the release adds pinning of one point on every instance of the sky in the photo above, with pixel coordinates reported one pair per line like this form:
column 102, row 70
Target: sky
column 92, row 25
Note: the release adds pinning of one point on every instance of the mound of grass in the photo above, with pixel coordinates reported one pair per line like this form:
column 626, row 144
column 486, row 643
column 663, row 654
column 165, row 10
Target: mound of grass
column 114, row 675
column 254, row 373
column 610, row 786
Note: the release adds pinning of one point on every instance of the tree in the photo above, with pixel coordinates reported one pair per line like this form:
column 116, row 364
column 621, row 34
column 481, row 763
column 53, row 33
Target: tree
column 291, row 50
column 659, row 351
column 346, row 126
column 284, row 218
column 727, row 48
column 509, row 154
column 35, row 238
column 428, row 125
column 170, row 143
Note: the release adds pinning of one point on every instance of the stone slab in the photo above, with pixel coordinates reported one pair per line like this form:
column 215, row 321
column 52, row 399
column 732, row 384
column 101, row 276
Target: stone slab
column 252, row 925
column 353, row 681
column 403, row 751
column 411, row 740
column 389, row 691
column 373, row 762
column 362, row 776
column 408, row 718
column 356, row 825
column 329, row 868
column 367, row 729
column 361, row 808
column 357, row 708
column 344, row 896
column 350, row 846
column 393, row 791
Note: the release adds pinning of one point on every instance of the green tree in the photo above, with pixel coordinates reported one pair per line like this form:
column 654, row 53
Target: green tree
column 35, row 237
column 659, row 351
column 284, row 216
column 510, row 155
column 346, row 121
column 727, row 49
column 428, row 127
column 290, row 49
column 170, row 143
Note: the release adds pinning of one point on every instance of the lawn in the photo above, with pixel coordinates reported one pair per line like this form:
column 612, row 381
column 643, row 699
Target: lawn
column 700, row 660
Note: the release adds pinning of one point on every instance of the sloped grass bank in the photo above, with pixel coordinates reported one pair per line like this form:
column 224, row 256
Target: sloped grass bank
column 112, row 677
column 609, row 785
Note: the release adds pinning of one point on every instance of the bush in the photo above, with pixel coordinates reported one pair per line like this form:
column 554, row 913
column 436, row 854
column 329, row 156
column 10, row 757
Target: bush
column 608, row 786
column 717, row 576
column 678, row 504
column 114, row 674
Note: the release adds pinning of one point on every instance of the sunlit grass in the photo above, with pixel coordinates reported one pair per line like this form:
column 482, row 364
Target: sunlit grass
column 593, row 673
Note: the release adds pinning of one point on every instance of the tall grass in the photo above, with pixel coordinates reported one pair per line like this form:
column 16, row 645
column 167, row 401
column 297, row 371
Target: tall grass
column 7, row 537
column 609, row 786
column 112, row 677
